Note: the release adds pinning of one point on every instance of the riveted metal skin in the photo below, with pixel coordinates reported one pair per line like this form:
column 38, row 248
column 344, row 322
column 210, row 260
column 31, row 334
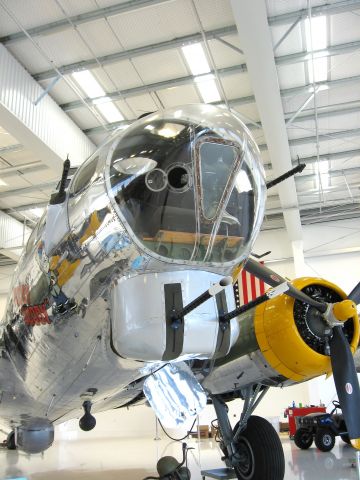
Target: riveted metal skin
column 70, row 333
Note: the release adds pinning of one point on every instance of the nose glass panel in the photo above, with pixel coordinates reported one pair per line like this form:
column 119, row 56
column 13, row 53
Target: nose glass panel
column 188, row 190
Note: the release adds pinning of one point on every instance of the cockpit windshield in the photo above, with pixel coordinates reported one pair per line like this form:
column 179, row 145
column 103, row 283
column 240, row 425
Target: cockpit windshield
column 189, row 185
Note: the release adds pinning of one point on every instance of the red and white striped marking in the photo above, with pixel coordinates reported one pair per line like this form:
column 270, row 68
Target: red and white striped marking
column 250, row 287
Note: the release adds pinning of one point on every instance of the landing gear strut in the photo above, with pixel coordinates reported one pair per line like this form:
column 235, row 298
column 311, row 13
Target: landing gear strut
column 253, row 448
column 10, row 441
column 87, row 421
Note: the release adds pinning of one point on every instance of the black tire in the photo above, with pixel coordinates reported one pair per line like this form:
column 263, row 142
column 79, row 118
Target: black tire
column 324, row 439
column 303, row 438
column 10, row 441
column 260, row 447
column 346, row 439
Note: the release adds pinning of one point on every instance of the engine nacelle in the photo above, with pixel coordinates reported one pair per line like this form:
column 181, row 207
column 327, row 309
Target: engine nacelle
column 34, row 435
column 282, row 341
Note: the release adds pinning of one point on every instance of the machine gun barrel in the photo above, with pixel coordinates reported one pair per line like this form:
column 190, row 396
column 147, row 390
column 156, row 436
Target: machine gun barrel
column 274, row 292
column 211, row 292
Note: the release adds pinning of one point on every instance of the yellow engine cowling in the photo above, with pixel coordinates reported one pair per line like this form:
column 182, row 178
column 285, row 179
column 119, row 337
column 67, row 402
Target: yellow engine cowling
column 280, row 341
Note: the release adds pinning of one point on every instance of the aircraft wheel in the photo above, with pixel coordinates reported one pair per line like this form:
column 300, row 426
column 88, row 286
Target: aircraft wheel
column 260, row 451
column 10, row 441
column 303, row 438
column 324, row 439
column 345, row 438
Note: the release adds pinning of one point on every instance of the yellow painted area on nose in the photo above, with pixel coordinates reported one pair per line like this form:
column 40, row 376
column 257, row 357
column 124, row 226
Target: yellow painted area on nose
column 236, row 271
column 344, row 310
column 355, row 442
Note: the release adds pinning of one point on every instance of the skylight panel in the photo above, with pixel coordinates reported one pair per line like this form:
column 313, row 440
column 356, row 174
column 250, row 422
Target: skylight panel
column 196, row 59
column 316, row 36
column 322, row 170
column 207, row 87
column 320, row 69
column 93, row 89
column 37, row 212
column 89, row 84
column 109, row 111
column 316, row 39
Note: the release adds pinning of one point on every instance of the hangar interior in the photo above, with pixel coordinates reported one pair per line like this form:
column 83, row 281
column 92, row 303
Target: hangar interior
column 74, row 72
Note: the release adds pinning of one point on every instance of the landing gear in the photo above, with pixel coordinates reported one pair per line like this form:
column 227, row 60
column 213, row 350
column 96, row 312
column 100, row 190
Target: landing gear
column 253, row 449
column 260, row 451
column 87, row 421
column 10, row 441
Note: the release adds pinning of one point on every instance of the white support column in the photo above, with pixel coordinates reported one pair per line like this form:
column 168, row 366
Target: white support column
column 299, row 260
column 43, row 127
column 256, row 42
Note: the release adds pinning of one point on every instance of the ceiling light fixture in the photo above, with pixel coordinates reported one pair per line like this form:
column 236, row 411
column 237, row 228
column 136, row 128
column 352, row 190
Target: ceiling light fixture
column 93, row 89
column 207, row 88
column 196, row 59
column 316, row 39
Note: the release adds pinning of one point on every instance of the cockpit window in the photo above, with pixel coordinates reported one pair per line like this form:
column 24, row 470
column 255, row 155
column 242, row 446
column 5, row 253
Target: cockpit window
column 186, row 190
column 84, row 175
column 217, row 160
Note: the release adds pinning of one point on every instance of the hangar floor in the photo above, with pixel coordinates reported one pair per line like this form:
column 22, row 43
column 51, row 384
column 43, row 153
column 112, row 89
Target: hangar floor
column 120, row 459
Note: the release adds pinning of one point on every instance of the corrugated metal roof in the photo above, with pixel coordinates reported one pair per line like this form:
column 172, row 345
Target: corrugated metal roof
column 169, row 20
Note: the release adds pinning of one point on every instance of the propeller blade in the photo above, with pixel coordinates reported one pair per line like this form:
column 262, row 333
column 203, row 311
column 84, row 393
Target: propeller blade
column 346, row 381
column 355, row 294
column 273, row 279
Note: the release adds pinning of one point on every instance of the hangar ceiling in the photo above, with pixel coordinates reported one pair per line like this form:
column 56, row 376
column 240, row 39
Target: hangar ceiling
column 105, row 62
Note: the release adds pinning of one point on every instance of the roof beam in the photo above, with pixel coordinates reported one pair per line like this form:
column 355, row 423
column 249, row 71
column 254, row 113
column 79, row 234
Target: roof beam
column 250, row 19
column 86, row 17
column 329, row 156
column 325, row 137
column 340, row 49
column 135, row 52
column 43, row 128
column 19, row 168
column 11, row 148
column 327, row 9
column 26, row 190
column 23, row 208
column 322, row 112
column 332, row 173
column 326, row 111
column 179, row 42
column 119, row 8
column 175, row 82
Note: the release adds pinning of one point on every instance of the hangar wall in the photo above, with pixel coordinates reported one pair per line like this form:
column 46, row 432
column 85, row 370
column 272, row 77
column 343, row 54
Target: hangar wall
column 140, row 421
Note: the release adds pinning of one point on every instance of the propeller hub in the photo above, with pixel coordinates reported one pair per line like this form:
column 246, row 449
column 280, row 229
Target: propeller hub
column 337, row 313
column 344, row 310
column 356, row 443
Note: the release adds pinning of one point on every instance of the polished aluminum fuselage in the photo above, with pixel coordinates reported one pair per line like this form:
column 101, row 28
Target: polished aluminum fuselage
column 60, row 319
column 151, row 220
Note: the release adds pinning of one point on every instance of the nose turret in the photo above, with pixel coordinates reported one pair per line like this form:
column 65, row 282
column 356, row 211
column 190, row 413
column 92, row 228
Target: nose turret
column 189, row 186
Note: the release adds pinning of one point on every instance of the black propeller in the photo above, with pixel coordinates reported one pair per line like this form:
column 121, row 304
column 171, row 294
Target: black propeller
column 355, row 294
column 273, row 279
column 342, row 362
column 346, row 381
